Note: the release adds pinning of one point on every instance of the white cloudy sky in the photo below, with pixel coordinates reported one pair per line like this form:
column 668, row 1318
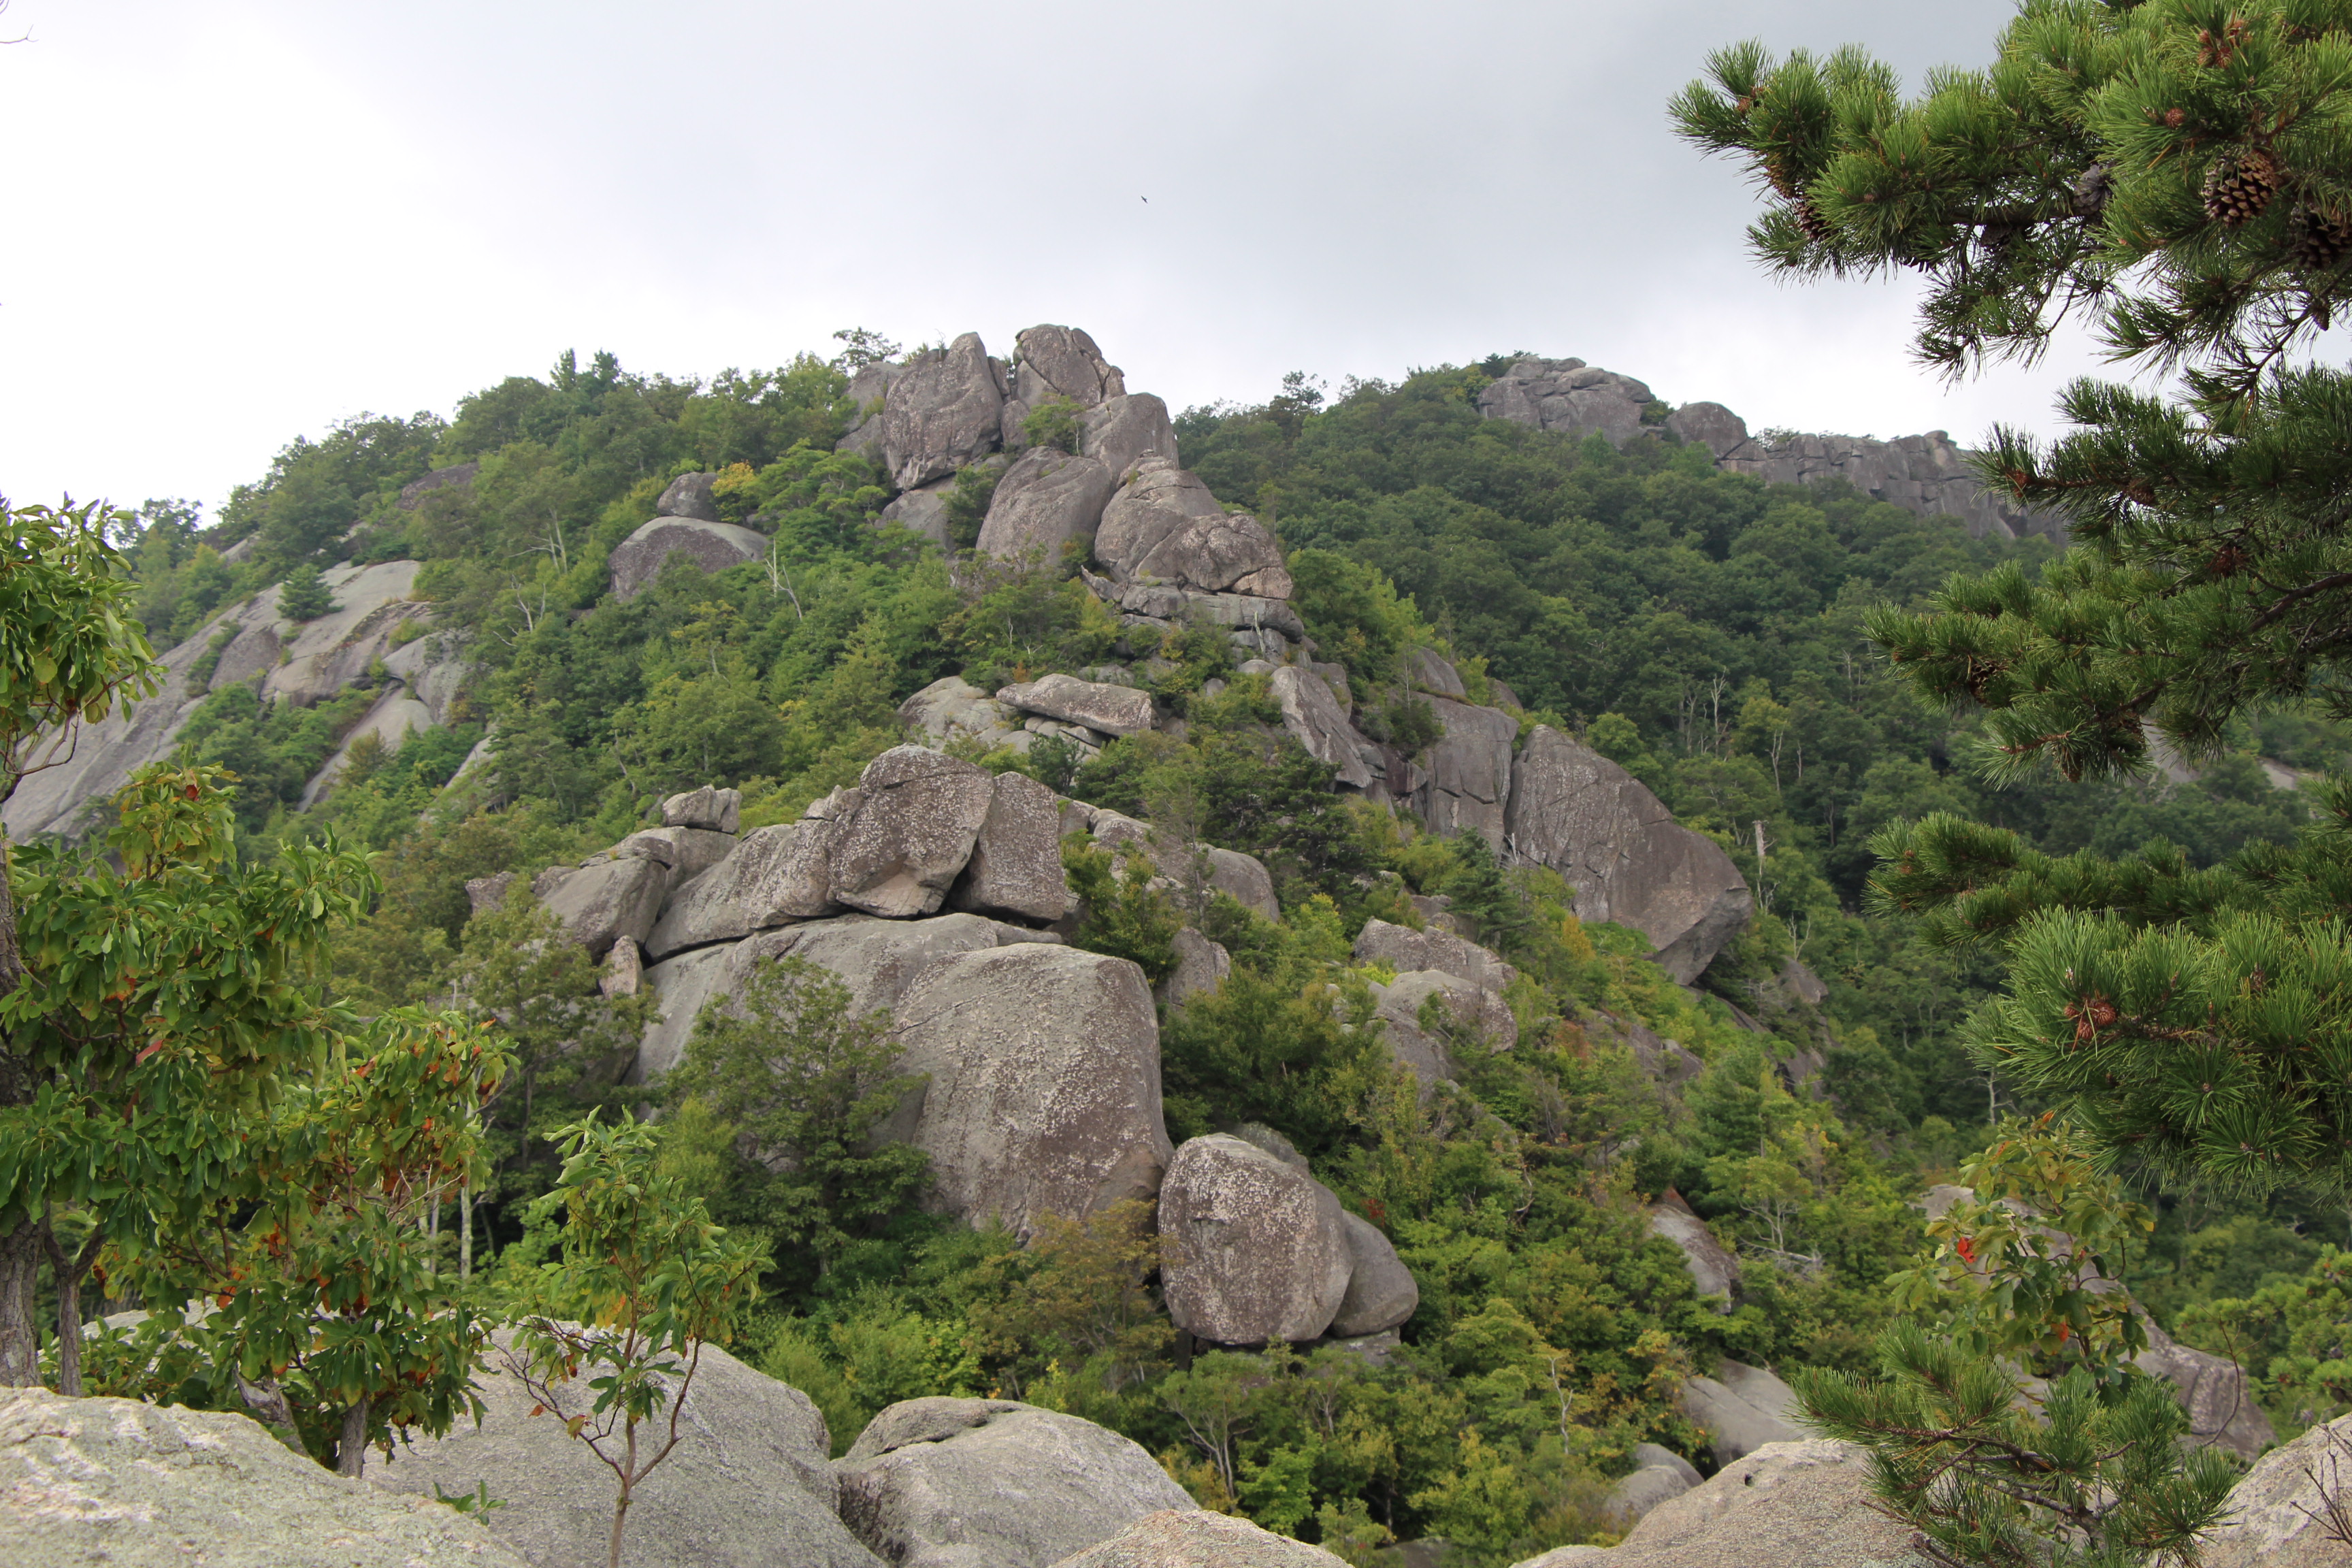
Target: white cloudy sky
column 232, row 223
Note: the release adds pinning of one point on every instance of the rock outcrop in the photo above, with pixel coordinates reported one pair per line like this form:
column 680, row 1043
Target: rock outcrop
column 1193, row 1538
column 749, row 1487
column 1467, row 778
column 918, row 817
column 1401, row 948
column 990, row 1483
column 1015, row 867
column 1046, row 501
column 689, row 495
column 1050, row 361
column 1120, row 431
column 1252, row 1249
column 145, row 1486
column 773, row 876
column 1743, row 1408
column 1164, row 526
column 1574, row 810
column 1315, row 717
column 1202, row 967
column 943, row 409
column 2213, row 1390
column 1659, row 1476
column 1474, row 1015
column 1042, row 1091
column 1713, row 1268
column 1106, row 710
column 1381, row 1293
column 2279, row 1508
column 714, row 546
column 710, row 808
column 601, row 903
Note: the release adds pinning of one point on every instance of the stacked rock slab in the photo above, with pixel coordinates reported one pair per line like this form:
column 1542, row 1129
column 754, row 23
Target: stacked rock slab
column 918, row 818
column 943, row 409
column 1575, row 810
column 1048, row 501
column 955, row 1483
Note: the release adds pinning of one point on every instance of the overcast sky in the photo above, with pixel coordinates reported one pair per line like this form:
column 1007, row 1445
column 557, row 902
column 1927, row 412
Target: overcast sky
column 232, row 223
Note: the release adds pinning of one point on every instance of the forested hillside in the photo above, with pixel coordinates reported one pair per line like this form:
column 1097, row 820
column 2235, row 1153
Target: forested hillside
column 540, row 691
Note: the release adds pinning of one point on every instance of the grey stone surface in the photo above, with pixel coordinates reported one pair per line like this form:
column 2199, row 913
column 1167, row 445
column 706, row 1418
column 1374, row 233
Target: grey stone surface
column 1042, row 1096
column 412, row 493
column 919, row 815
column 870, row 388
column 1251, row 1249
column 1047, row 501
column 689, row 495
column 1163, row 526
column 1403, row 948
column 488, row 892
column 1244, row 879
column 1654, row 1455
column 1312, row 714
column 709, row 807
column 749, row 1487
column 1712, row 1266
column 2213, row 1390
column 393, row 717
column 322, row 656
column 1119, row 432
column 1436, row 675
column 1474, row 1009
column 1202, row 967
column 1630, row 862
column 1195, row 1539
column 624, row 969
column 1792, row 1504
column 686, row 851
column 772, row 875
column 1381, row 1290
column 680, row 986
column 1469, row 770
column 1052, row 362
column 1636, row 1495
column 598, row 903
column 923, row 512
column 1110, row 710
column 990, row 1483
column 638, row 559
column 943, row 410
column 2274, row 1504
column 1016, row 868
column 1711, row 425
column 878, row 959
column 1743, row 1408
column 143, row 1485
column 1802, row 984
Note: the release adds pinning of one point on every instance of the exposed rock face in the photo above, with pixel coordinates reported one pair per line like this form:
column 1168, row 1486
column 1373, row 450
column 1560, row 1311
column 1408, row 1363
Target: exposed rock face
column 601, row 903
column 1193, row 868
column 989, row 1483
column 924, row 512
column 943, row 410
column 1244, row 879
column 1052, row 362
column 710, row 807
column 747, row 1488
column 952, row 706
column 1925, row 474
column 919, row 815
column 1119, row 432
column 1712, row 1266
column 713, row 546
column 2212, row 1389
column 877, row 960
column 1795, row 1504
column 1469, row 776
column 1043, row 1083
column 1660, row 1475
column 1202, row 967
column 1403, row 948
column 1196, row 1539
column 1313, row 714
column 2274, row 1504
column 412, row 493
column 680, row 986
column 1046, row 501
column 1164, row 526
column 1110, row 710
column 143, row 1485
column 1743, row 1408
column 624, row 970
column 1017, row 863
column 1475, row 1010
column 1574, row 810
column 1252, row 1249
column 772, row 875
column 689, row 495
column 1437, row 676
column 870, row 388
column 1381, row 1290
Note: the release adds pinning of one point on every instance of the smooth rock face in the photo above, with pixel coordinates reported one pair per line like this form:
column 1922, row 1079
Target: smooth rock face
column 1312, row 714
column 1244, row 879
column 1469, row 777
column 919, row 814
column 1164, row 526
column 713, row 546
column 1380, row 1290
column 1577, row 812
column 1046, row 501
column 1640, row 1492
column 143, row 1485
column 1403, row 948
column 712, row 808
column 1202, row 967
column 1112, row 710
column 680, row 986
column 1743, row 1408
column 1196, row 1539
column 877, row 960
column 624, row 970
column 599, row 903
column 1043, row 1091
column 1052, row 362
column 2212, row 1389
column 747, row 1488
column 772, row 875
column 1017, row 863
column 1567, row 395
column 689, row 495
column 1437, row 676
column 1476, row 1011
column 923, row 512
column 1119, row 432
column 1251, row 1249
column 1712, row 1266
column 1794, row 1504
column 2269, row 1526
column 989, row 1483
column 943, row 410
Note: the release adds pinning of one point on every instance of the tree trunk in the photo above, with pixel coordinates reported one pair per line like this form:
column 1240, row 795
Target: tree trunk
column 267, row 1403
column 69, row 1272
column 350, row 1448
column 465, row 1232
column 20, row 1343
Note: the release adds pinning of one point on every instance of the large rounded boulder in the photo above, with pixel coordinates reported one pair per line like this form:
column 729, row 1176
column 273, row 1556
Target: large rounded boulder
column 1253, row 1248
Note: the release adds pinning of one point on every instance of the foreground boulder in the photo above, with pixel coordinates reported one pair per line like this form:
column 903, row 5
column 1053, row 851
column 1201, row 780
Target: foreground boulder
column 1046, row 501
column 1804, row 1504
column 1193, row 1538
column 773, row 875
column 748, row 1487
column 143, row 1485
column 962, row 1483
column 1042, row 1093
column 637, row 560
column 1253, row 1249
column 1574, row 810
column 2279, row 1505
column 1743, row 1408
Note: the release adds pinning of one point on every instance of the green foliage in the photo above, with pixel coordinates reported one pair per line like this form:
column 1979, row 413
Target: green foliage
column 1053, row 423
column 303, row 596
column 965, row 505
column 2294, row 1337
column 1124, row 915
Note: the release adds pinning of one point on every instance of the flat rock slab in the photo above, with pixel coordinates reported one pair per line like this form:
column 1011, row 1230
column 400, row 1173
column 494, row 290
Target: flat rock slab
column 1403, row 948
column 709, row 807
column 1112, row 710
column 145, row 1486
column 1253, row 1249
column 1195, row 1539
column 1017, row 863
column 600, row 903
column 1312, row 713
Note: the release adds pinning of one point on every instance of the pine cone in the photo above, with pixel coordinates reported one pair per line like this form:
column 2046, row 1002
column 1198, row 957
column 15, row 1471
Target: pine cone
column 1809, row 218
column 2239, row 185
column 2317, row 239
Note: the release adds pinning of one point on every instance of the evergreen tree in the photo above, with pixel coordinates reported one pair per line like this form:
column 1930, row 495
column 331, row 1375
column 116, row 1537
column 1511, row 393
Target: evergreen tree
column 2182, row 171
column 304, row 597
